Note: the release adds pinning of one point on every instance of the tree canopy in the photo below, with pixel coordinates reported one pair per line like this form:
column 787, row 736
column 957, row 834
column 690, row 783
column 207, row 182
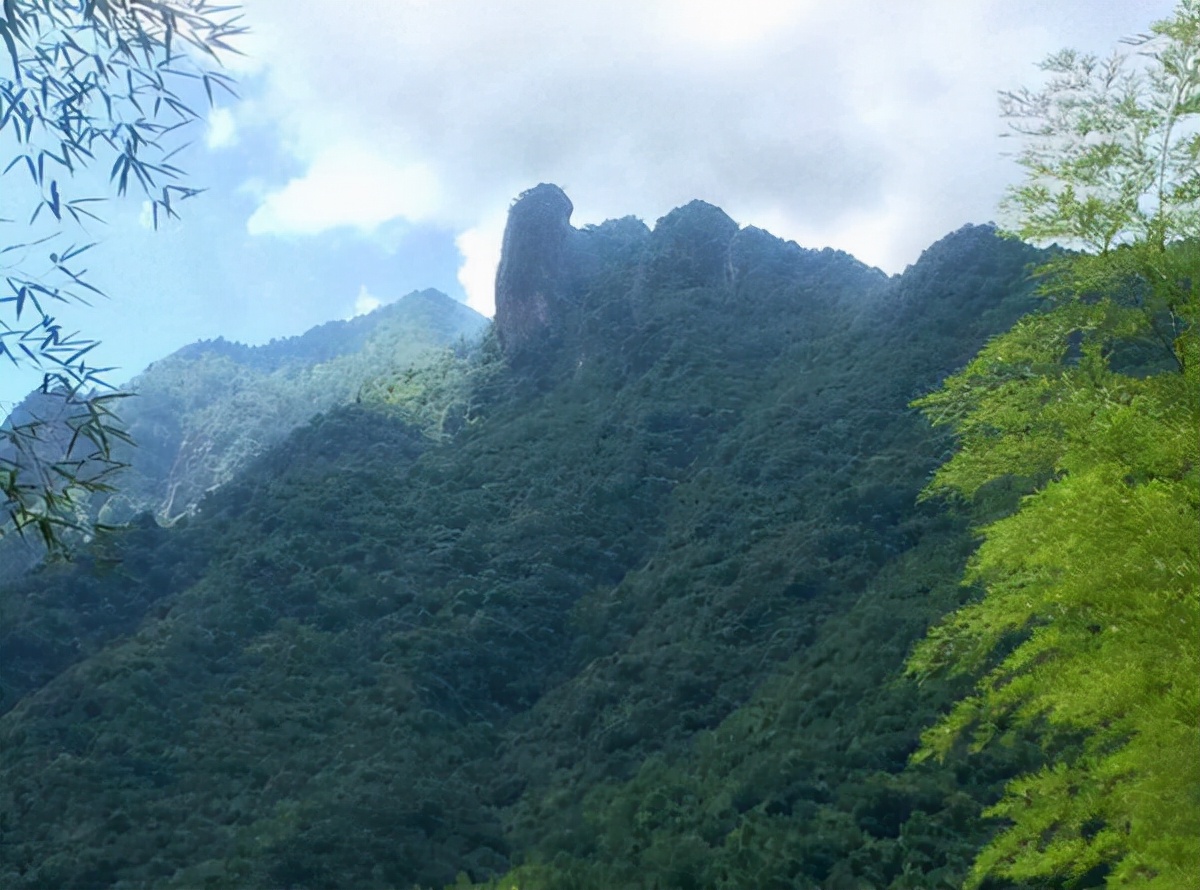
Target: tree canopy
column 1088, row 632
column 106, row 84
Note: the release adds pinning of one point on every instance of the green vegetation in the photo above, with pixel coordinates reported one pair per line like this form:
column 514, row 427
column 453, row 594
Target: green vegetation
column 643, row 608
column 199, row 416
column 1089, row 632
column 634, row 617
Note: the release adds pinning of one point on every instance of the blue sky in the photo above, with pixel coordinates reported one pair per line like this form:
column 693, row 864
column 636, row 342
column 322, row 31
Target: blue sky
column 377, row 145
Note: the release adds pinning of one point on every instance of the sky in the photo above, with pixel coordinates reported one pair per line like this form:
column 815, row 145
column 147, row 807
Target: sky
column 377, row 144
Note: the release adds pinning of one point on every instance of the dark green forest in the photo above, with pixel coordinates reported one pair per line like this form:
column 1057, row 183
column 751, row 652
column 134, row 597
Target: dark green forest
column 619, row 595
column 711, row 562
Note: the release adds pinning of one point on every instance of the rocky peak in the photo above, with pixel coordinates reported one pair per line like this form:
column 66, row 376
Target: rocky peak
column 534, row 280
column 693, row 241
column 565, row 294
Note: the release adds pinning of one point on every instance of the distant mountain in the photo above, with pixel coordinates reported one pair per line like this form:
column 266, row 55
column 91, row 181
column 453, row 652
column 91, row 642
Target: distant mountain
column 425, row 318
column 618, row 598
column 203, row 413
column 200, row 414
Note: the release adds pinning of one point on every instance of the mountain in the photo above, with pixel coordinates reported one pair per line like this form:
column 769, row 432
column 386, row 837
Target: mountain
column 410, row 325
column 635, row 616
column 198, row 416
column 203, row 413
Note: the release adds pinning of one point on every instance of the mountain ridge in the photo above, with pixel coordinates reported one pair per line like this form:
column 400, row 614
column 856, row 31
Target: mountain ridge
column 198, row 415
column 637, row 619
column 335, row 338
column 548, row 266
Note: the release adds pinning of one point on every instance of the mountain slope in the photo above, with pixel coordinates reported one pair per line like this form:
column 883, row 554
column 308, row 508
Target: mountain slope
column 637, row 622
column 200, row 414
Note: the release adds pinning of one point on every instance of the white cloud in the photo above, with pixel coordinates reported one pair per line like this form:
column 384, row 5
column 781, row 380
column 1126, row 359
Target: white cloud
column 365, row 302
column 347, row 185
column 222, row 129
column 865, row 125
column 480, row 249
column 718, row 24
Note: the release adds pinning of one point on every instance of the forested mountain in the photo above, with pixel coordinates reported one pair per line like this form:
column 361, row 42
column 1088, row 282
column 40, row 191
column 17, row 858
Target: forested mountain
column 619, row 598
column 200, row 415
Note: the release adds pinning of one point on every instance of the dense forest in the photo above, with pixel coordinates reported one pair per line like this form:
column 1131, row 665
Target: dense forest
column 198, row 416
column 637, row 617
column 711, row 562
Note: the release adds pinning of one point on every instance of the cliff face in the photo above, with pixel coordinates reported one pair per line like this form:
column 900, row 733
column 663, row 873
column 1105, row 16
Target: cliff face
column 546, row 264
column 534, row 282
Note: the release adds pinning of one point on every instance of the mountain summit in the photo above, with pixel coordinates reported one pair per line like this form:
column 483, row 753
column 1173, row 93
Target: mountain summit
column 560, row 287
column 534, row 279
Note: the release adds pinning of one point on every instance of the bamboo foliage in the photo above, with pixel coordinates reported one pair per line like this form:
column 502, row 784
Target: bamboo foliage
column 1089, row 629
column 104, row 84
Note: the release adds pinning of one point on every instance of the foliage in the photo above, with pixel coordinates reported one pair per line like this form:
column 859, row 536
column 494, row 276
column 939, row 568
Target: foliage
column 93, row 83
column 1090, row 625
column 1110, row 146
column 440, row 396
column 201, row 415
column 633, row 623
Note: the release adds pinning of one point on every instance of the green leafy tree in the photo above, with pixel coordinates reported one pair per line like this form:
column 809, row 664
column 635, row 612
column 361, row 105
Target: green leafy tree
column 83, row 83
column 1088, row 632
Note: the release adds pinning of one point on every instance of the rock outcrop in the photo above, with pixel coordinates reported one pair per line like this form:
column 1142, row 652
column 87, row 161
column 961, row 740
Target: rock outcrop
column 564, row 294
column 535, row 279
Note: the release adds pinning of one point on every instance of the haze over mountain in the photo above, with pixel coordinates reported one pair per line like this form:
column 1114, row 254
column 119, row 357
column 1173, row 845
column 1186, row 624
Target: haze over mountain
column 619, row 597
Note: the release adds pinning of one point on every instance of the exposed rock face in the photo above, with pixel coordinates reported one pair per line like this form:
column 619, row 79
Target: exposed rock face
column 535, row 279
column 563, row 294
column 546, row 264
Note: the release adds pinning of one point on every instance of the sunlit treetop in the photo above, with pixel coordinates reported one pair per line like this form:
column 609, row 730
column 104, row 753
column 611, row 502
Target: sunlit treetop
column 1088, row 634
column 1111, row 146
